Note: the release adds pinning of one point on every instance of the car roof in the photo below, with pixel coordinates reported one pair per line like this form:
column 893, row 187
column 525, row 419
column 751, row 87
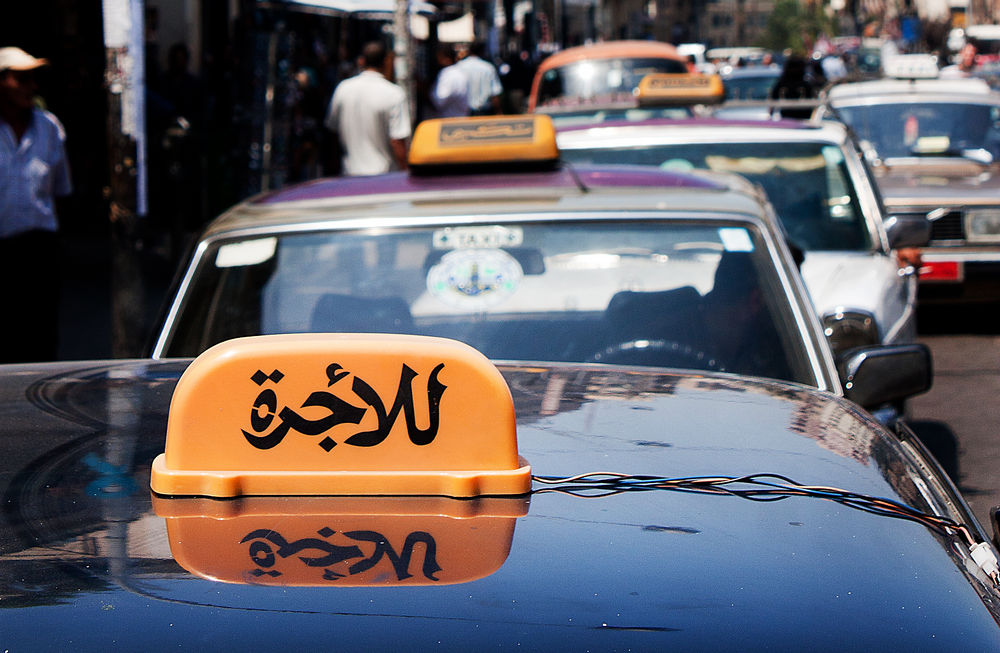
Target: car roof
column 930, row 90
column 92, row 558
column 739, row 72
column 609, row 50
column 704, row 129
column 565, row 190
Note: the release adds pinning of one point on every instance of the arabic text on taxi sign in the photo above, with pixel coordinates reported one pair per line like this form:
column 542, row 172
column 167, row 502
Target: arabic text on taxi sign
column 514, row 130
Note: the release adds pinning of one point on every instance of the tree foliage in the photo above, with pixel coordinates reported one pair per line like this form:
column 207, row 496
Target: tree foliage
column 795, row 26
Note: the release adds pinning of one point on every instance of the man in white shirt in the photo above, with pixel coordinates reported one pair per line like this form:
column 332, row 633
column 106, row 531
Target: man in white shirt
column 33, row 173
column 371, row 117
column 450, row 95
column 484, row 86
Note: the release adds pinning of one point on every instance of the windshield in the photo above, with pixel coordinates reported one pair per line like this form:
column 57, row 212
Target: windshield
column 808, row 183
column 650, row 293
column 751, row 86
column 600, row 80
column 932, row 129
column 589, row 116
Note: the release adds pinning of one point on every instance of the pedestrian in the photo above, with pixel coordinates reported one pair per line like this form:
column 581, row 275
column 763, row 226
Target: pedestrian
column 794, row 84
column 33, row 173
column 370, row 116
column 964, row 66
column 484, row 86
column 450, row 94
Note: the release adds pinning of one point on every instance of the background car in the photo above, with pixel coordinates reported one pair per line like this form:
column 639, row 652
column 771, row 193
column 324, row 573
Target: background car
column 623, row 265
column 748, row 89
column 934, row 145
column 600, row 73
column 821, row 191
column 555, row 266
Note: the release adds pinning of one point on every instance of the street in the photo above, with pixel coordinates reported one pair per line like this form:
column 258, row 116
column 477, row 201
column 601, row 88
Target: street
column 958, row 419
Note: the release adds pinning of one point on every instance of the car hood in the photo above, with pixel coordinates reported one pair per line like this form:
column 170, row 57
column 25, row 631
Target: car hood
column 940, row 182
column 87, row 563
column 856, row 281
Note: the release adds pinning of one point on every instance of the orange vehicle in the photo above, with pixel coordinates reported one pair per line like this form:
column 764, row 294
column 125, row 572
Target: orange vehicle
column 602, row 73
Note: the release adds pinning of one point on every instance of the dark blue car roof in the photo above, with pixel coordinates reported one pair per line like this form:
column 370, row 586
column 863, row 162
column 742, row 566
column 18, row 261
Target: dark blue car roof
column 86, row 564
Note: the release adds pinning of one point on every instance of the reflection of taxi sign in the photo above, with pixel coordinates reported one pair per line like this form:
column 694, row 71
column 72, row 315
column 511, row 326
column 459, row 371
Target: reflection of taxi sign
column 911, row 66
column 341, row 414
column 484, row 140
column 679, row 88
column 341, row 541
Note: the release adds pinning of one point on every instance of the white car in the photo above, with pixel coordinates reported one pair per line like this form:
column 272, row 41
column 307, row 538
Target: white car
column 823, row 194
column 934, row 145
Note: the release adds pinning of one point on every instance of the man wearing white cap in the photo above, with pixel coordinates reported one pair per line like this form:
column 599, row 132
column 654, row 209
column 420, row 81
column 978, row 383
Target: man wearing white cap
column 33, row 172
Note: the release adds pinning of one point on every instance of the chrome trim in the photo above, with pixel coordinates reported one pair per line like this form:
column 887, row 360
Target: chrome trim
column 909, row 313
column 964, row 255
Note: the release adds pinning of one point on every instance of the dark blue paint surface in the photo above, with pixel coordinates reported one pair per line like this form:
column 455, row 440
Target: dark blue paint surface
column 662, row 570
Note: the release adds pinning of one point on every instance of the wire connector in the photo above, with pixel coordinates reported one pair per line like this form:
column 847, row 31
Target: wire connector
column 983, row 556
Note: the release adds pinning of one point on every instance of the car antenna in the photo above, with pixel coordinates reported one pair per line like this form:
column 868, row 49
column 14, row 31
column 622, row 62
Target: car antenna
column 576, row 177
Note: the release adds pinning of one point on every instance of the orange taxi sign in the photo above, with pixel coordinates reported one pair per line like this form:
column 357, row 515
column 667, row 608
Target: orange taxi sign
column 679, row 89
column 484, row 140
column 341, row 414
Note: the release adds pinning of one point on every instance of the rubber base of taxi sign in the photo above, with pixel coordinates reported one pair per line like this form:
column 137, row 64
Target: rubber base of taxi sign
column 341, row 414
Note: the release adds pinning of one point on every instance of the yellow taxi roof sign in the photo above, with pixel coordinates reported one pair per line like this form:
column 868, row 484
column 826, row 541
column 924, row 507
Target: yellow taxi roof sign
column 341, row 414
column 679, row 89
column 484, row 140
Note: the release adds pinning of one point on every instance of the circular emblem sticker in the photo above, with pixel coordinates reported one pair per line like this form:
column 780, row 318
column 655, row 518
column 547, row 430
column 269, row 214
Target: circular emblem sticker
column 474, row 279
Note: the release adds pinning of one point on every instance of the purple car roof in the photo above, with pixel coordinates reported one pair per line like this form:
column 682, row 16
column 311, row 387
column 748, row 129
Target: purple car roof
column 403, row 183
column 694, row 122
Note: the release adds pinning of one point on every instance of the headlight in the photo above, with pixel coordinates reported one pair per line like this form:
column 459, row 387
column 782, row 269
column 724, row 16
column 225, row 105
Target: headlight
column 982, row 225
column 848, row 329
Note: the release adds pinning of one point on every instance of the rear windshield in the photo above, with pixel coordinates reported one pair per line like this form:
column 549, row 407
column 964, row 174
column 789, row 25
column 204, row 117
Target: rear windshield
column 934, row 129
column 633, row 293
column 808, row 183
column 600, row 80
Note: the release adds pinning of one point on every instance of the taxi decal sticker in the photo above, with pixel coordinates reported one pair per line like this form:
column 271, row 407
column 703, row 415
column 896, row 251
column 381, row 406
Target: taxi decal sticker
column 493, row 236
column 266, row 545
column 735, row 239
column 247, row 252
column 264, row 410
column 474, row 279
column 514, row 129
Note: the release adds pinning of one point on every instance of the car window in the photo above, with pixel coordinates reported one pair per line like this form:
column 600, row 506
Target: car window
column 589, row 116
column 933, row 129
column 808, row 183
column 679, row 295
column 750, row 87
column 596, row 80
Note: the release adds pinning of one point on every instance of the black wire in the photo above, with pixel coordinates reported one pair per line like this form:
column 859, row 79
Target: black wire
column 764, row 487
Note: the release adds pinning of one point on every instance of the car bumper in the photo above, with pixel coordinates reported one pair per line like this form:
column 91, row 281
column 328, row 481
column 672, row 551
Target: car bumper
column 959, row 276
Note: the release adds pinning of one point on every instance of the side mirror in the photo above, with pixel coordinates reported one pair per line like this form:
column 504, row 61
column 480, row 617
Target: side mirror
column 978, row 155
column 877, row 375
column 907, row 230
